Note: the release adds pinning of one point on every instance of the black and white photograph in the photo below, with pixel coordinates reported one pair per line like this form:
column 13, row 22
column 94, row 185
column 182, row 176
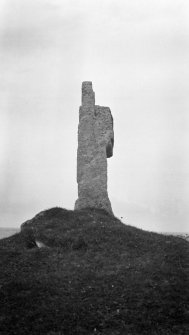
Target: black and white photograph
column 94, row 167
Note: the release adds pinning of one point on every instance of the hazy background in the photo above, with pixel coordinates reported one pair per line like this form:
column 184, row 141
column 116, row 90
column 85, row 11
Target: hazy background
column 136, row 53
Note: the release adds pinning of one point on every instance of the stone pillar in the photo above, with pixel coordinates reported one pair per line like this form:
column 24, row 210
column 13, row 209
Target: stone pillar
column 95, row 145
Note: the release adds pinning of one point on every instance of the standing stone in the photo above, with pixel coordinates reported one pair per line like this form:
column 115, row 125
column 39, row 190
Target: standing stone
column 95, row 145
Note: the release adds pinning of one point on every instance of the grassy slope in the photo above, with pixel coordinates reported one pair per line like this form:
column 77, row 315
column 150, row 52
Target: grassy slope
column 96, row 276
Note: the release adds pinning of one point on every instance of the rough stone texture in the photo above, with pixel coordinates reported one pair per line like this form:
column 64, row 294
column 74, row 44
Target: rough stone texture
column 95, row 145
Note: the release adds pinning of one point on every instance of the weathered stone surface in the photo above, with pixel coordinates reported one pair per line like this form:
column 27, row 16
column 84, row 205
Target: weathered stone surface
column 95, row 145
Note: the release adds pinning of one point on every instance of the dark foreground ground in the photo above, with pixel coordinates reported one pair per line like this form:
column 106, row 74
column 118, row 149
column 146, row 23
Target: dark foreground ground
column 93, row 275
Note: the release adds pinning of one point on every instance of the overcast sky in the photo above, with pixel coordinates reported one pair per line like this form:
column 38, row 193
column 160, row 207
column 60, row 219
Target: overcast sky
column 136, row 53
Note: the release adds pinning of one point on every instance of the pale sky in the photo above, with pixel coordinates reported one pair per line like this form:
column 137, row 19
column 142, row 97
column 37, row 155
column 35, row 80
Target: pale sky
column 136, row 53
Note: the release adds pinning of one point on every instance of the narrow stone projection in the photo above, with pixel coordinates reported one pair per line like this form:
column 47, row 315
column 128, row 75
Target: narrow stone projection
column 95, row 145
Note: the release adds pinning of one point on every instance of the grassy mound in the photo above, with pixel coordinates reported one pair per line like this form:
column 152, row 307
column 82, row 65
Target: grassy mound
column 93, row 275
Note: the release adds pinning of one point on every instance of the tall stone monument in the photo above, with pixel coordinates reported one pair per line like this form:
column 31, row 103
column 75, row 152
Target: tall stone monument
column 95, row 145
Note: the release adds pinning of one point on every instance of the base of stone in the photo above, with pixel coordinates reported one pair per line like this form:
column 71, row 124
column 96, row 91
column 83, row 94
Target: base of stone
column 94, row 203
